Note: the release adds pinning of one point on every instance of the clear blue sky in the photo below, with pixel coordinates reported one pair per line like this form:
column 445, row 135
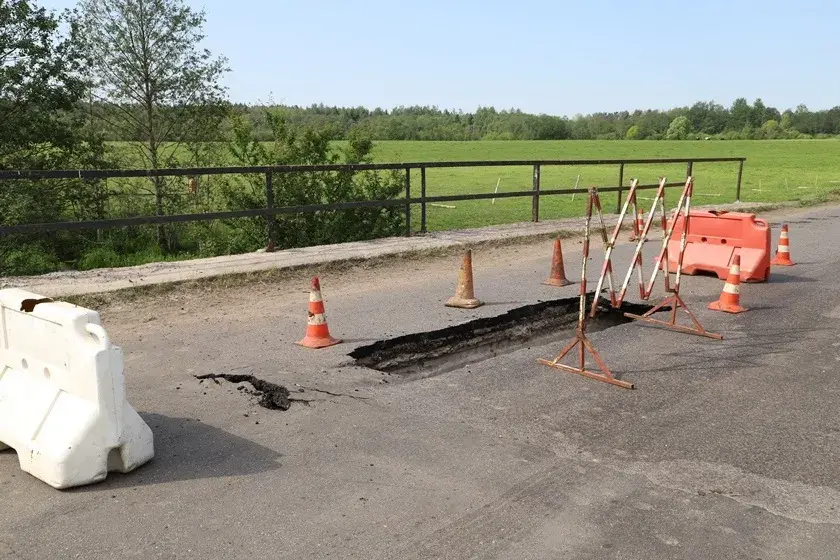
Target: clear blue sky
column 555, row 57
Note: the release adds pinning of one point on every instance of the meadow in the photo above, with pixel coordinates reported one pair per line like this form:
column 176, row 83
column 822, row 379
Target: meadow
column 775, row 170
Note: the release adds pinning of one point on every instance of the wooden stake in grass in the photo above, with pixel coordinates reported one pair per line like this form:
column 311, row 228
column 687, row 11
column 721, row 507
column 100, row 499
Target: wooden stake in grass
column 496, row 191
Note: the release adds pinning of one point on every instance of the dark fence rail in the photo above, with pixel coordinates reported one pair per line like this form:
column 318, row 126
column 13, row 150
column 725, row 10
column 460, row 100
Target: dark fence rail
column 188, row 171
column 270, row 210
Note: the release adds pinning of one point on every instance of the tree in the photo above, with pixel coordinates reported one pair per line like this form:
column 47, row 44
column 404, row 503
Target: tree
column 679, row 128
column 787, row 122
column 803, row 120
column 153, row 79
column 40, row 128
column 708, row 117
column 653, row 124
column 771, row 113
column 633, row 133
column 39, row 84
column 546, row 127
column 716, row 120
column 757, row 114
column 770, row 129
column 741, row 113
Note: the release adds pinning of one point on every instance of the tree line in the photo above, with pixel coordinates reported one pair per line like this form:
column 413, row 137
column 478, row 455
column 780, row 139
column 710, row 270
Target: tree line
column 703, row 120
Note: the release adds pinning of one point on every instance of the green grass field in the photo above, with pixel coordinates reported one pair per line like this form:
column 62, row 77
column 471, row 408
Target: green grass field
column 777, row 170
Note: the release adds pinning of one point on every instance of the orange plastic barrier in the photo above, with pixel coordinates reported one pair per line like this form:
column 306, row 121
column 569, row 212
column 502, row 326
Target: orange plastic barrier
column 712, row 240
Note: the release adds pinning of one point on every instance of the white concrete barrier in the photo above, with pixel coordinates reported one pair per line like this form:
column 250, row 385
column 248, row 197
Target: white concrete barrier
column 62, row 394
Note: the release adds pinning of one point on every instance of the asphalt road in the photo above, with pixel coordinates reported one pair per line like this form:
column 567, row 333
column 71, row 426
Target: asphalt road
column 726, row 449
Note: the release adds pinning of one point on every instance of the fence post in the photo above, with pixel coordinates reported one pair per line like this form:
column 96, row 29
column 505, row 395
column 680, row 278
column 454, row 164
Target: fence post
column 269, row 204
column 423, row 200
column 620, row 186
column 407, row 204
column 535, row 201
column 738, row 186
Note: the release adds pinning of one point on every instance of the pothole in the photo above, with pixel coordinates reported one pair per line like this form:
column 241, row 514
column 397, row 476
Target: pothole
column 431, row 353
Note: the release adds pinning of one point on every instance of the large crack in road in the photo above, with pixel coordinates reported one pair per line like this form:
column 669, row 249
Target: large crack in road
column 432, row 353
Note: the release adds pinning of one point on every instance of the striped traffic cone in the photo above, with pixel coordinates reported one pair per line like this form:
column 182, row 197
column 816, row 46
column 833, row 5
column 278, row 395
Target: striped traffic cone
column 730, row 297
column 782, row 257
column 639, row 225
column 558, row 271
column 464, row 295
column 317, row 331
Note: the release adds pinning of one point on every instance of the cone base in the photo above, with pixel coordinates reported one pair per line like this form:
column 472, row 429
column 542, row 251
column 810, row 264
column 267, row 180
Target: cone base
column 463, row 303
column 782, row 262
column 317, row 342
column 557, row 282
column 718, row 306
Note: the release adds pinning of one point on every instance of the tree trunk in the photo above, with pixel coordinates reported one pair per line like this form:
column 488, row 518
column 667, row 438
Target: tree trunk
column 149, row 102
column 158, row 181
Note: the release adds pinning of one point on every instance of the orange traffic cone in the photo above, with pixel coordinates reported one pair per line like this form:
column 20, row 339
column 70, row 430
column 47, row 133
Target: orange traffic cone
column 730, row 297
column 639, row 225
column 558, row 271
column 317, row 331
column 464, row 296
column 782, row 257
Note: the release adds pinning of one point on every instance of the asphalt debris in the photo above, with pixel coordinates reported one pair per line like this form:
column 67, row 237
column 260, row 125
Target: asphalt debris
column 270, row 395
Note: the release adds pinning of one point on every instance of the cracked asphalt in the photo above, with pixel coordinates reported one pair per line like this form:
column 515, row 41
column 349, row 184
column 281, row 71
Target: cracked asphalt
column 726, row 449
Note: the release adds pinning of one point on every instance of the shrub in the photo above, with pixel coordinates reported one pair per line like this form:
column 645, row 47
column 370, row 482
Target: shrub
column 27, row 259
column 309, row 146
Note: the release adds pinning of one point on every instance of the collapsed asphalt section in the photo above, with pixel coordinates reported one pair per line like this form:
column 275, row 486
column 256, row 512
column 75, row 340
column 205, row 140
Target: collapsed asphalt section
column 432, row 353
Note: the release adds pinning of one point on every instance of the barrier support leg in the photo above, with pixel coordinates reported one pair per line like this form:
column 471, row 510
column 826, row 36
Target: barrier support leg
column 675, row 301
column 583, row 344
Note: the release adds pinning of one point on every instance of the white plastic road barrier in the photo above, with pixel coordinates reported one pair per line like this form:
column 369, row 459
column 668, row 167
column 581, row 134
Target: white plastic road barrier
column 62, row 394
